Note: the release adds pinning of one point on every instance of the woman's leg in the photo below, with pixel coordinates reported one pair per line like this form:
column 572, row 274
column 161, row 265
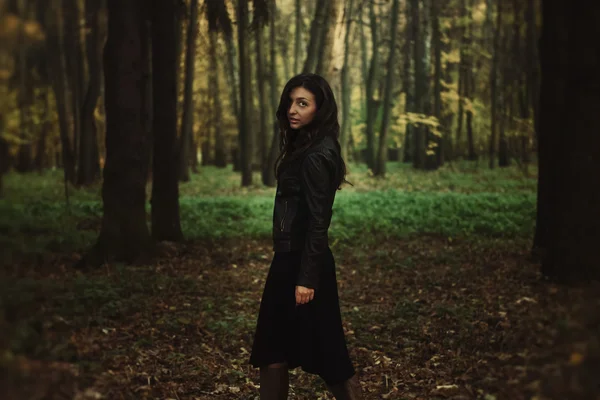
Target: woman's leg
column 347, row 390
column 274, row 382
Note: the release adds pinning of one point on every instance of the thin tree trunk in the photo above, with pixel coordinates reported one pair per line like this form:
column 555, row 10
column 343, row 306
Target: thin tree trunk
column 75, row 67
column 275, row 138
column 408, row 84
column 437, row 160
column 124, row 234
column 55, row 46
column 387, row 100
column 245, row 136
column 346, row 122
column 24, row 162
column 372, row 103
column 420, row 134
column 165, row 189
column 298, row 35
column 217, row 109
column 316, row 34
column 89, row 163
column 263, row 141
column 325, row 60
column 187, row 126
column 470, row 86
column 493, row 86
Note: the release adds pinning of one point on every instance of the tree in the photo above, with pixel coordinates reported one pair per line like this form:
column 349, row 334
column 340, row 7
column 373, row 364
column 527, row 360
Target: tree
column 165, row 189
column 568, row 216
column 124, row 235
column 89, row 163
column 244, row 73
column 387, row 100
column 185, row 142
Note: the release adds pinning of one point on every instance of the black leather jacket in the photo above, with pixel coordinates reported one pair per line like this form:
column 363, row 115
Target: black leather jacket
column 303, row 207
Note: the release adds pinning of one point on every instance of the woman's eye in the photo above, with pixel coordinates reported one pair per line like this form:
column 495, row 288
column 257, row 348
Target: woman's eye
column 302, row 104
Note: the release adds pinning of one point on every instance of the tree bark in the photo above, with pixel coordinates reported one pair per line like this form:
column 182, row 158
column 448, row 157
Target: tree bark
column 436, row 160
column 245, row 136
column 124, row 234
column 493, row 86
column 261, row 82
column 217, row 108
column 275, row 138
column 420, row 134
column 387, row 100
column 165, row 189
column 89, row 162
column 470, row 85
column 346, row 89
column 316, row 34
column 408, row 83
column 373, row 78
column 185, row 141
column 568, row 194
column 298, row 35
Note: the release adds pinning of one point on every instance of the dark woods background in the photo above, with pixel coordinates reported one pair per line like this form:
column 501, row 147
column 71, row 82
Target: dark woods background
column 136, row 91
column 137, row 143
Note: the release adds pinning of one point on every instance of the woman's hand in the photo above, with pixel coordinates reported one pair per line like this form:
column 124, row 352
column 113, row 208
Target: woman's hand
column 304, row 294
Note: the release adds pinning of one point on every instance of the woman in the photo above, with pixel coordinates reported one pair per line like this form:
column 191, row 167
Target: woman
column 299, row 321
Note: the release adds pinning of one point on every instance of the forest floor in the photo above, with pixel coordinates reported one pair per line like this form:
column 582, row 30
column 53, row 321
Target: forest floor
column 426, row 317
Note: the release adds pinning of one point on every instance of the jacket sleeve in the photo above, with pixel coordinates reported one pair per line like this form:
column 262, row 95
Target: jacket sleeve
column 316, row 175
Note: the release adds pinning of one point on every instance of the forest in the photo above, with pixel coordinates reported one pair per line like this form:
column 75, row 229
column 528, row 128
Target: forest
column 138, row 141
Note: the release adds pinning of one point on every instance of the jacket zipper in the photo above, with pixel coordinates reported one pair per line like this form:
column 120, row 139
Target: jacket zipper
column 283, row 219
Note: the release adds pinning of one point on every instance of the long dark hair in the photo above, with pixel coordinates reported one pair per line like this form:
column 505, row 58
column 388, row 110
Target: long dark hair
column 294, row 142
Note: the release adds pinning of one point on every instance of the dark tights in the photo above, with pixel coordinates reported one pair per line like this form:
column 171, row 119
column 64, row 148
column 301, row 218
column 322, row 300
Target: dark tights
column 274, row 382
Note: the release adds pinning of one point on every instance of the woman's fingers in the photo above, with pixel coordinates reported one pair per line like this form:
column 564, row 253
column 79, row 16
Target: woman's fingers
column 304, row 295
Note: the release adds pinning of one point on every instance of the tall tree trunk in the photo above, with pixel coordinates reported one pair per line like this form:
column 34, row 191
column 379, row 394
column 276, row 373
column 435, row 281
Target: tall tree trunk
column 420, row 134
column 40, row 151
column 89, row 162
column 4, row 156
column 317, row 27
column 533, row 82
column 470, row 85
column 568, row 203
column 408, row 83
column 298, row 35
column 275, row 138
column 24, row 162
column 346, row 122
column 493, row 86
column 245, row 136
column 372, row 103
column 217, row 108
column 505, row 100
column 387, row 100
column 187, row 126
column 325, row 61
column 437, row 159
column 55, row 46
column 124, row 234
column 263, row 107
column 165, row 189
column 75, row 67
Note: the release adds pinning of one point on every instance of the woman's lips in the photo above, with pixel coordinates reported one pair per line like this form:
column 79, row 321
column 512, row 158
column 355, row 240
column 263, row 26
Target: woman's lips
column 293, row 120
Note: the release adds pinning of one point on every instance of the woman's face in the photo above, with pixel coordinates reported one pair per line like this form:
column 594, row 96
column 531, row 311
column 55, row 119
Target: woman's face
column 303, row 107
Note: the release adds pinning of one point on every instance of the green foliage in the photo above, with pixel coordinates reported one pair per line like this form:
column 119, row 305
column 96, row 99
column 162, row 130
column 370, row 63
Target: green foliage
column 457, row 200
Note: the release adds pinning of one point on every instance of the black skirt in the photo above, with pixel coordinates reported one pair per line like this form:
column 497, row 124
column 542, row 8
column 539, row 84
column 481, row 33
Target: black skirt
column 309, row 335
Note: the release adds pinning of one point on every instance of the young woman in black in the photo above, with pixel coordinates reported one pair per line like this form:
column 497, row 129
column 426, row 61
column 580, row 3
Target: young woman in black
column 299, row 322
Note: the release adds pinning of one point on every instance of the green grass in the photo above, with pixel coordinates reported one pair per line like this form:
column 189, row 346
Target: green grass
column 454, row 201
